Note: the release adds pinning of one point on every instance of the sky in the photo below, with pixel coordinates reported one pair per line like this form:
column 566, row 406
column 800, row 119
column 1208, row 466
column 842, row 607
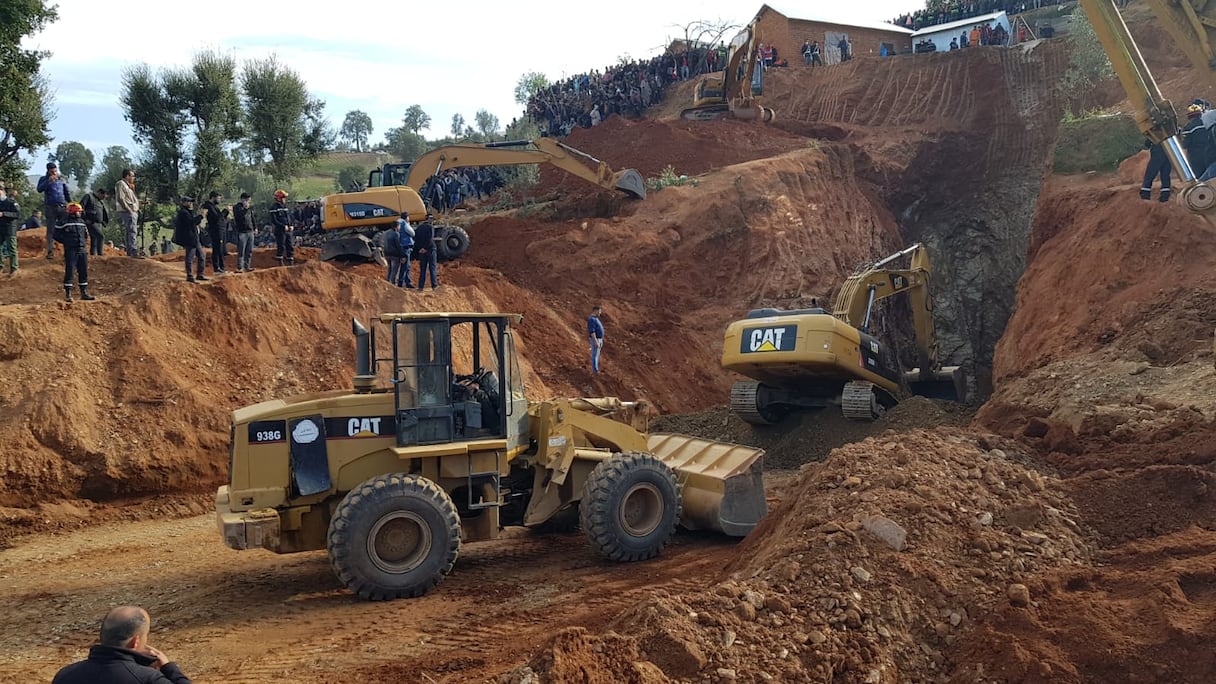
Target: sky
column 381, row 57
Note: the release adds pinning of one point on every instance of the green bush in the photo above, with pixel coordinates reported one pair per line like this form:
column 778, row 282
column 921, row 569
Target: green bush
column 1095, row 143
column 669, row 178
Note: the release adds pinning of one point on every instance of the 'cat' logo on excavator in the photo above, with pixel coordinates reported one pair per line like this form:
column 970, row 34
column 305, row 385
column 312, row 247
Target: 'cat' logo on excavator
column 779, row 338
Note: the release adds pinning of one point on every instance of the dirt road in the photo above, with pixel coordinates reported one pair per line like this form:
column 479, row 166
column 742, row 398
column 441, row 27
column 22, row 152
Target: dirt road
column 257, row 617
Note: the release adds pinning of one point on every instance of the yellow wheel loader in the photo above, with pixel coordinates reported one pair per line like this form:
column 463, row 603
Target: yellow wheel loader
column 812, row 358
column 391, row 478
column 353, row 222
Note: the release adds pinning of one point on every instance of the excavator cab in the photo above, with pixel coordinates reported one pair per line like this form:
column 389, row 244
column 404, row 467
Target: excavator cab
column 389, row 175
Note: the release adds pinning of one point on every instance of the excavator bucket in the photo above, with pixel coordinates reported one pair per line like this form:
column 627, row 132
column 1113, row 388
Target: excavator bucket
column 948, row 382
column 630, row 182
column 356, row 247
column 722, row 485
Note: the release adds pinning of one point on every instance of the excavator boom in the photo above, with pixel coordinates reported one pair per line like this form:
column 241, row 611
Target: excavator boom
column 515, row 152
column 1192, row 24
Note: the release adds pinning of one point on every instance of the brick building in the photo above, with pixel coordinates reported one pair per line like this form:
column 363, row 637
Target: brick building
column 787, row 33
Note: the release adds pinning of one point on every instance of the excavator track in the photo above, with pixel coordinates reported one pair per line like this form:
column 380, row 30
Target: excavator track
column 743, row 403
column 859, row 402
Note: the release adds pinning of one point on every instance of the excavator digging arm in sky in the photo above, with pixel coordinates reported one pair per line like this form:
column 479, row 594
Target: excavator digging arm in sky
column 1192, row 25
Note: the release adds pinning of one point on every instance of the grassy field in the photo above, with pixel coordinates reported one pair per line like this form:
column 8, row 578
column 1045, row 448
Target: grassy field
column 320, row 179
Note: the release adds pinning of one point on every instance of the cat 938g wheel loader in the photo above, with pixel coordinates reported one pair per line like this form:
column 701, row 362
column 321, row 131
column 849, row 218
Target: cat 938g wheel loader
column 391, row 478
column 811, row 358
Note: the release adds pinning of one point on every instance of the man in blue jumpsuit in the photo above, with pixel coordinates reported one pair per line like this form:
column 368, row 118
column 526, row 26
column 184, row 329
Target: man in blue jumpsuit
column 595, row 335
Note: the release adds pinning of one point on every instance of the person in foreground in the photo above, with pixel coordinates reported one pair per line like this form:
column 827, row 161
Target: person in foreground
column 123, row 655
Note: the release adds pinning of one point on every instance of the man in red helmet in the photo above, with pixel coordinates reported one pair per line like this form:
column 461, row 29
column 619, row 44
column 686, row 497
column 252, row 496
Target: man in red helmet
column 280, row 218
column 74, row 235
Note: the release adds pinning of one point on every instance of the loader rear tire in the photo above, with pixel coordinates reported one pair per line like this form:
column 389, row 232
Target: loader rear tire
column 394, row 536
column 630, row 506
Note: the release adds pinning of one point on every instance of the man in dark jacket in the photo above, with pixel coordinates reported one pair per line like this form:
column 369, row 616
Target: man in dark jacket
column 217, row 222
column 55, row 197
column 123, row 655
column 185, row 235
column 75, row 238
column 280, row 218
column 9, row 213
column 96, row 216
column 424, row 253
column 243, row 218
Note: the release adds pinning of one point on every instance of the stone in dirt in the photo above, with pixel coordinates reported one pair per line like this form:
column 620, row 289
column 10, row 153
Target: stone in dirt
column 1019, row 595
column 887, row 530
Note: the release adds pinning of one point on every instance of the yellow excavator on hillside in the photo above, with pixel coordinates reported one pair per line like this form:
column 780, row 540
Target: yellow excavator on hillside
column 1192, row 25
column 810, row 358
column 733, row 92
column 352, row 222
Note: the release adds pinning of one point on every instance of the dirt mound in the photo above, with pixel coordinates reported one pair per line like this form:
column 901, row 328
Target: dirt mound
column 868, row 571
column 809, row 436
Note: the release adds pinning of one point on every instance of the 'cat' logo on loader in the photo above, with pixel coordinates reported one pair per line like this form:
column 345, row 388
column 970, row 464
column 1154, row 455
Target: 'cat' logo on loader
column 771, row 339
column 363, row 427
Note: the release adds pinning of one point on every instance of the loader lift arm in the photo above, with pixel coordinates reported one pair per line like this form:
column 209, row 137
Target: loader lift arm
column 1192, row 25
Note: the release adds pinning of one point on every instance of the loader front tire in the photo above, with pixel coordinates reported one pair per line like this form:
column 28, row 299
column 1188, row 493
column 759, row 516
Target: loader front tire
column 630, row 506
column 394, row 536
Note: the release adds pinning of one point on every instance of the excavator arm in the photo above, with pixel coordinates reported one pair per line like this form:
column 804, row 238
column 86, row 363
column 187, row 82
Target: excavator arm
column 855, row 302
column 734, row 92
column 515, row 152
column 1192, row 24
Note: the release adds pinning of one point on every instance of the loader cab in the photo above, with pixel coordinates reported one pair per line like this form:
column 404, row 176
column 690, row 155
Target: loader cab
column 456, row 378
column 389, row 175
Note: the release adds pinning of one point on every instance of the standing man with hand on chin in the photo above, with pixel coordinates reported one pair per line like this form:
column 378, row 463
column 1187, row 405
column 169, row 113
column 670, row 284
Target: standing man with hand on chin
column 123, row 655
column 128, row 208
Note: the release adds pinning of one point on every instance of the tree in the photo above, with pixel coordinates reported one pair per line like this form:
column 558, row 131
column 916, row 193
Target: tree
column 158, row 124
column 350, row 175
column 207, row 93
column 416, row 120
column 457, row 124
column 75, row 161
column 528, row 85
column 283, row 119
column 115, row 159
column 1088, row 65
column 25, row 100
column 403, row 144
column 487, row 123
column 704, row 33
column 356, row 128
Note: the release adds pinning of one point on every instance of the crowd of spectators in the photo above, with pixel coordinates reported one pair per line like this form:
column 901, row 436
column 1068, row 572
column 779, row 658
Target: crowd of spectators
column 945, row 11
column 626, row 89
column 448, row 189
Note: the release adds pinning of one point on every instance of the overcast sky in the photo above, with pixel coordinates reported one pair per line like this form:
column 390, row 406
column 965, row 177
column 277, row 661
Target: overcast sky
column 448, row 57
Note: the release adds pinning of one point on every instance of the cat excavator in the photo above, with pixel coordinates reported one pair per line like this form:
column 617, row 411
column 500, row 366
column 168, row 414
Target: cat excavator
column 812, row 358
column 353, row 222
column 1192, row 25
column 733, row 92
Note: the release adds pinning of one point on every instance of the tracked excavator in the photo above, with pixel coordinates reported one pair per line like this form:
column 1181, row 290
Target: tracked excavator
column 353, row 222
column 733, row 93
column 392, row 478
column 1192, row 25
column 813, row 358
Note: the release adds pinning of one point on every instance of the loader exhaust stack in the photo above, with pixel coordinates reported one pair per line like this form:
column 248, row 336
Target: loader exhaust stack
column 364, row 379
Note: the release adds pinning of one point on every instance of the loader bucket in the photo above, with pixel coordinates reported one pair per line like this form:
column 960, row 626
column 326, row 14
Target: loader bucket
column 949, row 383
column 358, row 248
column 630, row 182
column 722, row 485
